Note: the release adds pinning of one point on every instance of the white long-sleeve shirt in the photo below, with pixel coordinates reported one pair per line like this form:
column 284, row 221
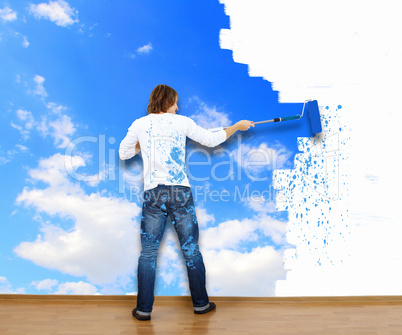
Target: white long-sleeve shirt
column 162, row 139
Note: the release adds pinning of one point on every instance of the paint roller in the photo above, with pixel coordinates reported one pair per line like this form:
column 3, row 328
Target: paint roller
column 313, row 111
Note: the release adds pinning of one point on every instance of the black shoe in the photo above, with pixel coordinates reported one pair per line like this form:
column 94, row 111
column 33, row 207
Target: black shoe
column 141, row 317
column 211, row 307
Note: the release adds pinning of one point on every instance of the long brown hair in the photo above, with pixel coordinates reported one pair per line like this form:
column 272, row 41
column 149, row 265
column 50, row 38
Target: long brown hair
column 162, row 98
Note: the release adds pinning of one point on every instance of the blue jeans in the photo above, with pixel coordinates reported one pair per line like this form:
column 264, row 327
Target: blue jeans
column 176, row 202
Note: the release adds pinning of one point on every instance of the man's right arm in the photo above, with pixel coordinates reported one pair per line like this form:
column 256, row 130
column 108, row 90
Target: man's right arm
column 212, row 139
column 241, row 125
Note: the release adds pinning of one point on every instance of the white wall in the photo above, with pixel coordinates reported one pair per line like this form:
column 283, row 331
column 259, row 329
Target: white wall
column 348, row 56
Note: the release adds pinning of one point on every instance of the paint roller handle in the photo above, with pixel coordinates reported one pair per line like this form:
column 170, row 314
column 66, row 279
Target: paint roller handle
column 288, row 118
column 278, row 119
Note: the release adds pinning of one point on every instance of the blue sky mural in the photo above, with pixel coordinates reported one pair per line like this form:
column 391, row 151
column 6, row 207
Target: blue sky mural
column 74, row 76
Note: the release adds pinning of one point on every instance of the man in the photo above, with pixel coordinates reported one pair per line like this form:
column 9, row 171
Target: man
column 161, row 137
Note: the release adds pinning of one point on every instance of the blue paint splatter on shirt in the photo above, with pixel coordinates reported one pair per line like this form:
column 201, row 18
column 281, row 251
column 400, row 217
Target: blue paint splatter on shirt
column 177, row 167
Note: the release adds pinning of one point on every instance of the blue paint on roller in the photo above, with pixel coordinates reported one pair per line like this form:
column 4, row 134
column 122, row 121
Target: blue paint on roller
column 314, row 113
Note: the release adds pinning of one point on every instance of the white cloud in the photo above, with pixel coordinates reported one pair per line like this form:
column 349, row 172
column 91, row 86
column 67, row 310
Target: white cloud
column 46, row 284
column 232, row 271
column 59, row 126
column 229, row 272
column 58, row 11
column 53, row 285
column 79, row 288
column 7, row 14
column 207, row 116
column 55, row 108
column 40, row 90
column 4, row 160
column 93, row 26
column 27, row 123
column 257, row 159
column 21, row 148
column 102, row 240
column 18, row 148
column 6, row 287
column 55, row 123
column 90, row 29
column 26, row 116
column 261, row 205
column 204, row 219
column 253, row 273
column 146, row 49
column 61, row 129
column 231, row 234
column 25, row 42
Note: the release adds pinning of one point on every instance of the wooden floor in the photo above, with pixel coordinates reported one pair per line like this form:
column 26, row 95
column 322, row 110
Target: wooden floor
column 43, row 315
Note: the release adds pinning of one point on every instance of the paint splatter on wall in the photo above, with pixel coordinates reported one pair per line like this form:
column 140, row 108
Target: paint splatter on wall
column 315, row 194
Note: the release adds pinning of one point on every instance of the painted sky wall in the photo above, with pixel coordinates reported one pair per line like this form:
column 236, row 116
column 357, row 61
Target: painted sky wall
column 280, row 212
